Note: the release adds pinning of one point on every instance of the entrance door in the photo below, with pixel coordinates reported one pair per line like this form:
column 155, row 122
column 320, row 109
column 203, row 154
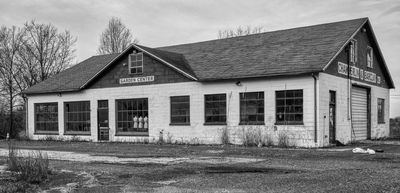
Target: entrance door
column 332, row 116
column 102, row 120
column 359, row 112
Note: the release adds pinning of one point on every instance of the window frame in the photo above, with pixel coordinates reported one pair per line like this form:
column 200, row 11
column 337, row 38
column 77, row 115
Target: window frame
column 130, row 66
column 219, row 115
column 241, row 113
column 66, row 132
column 174, row 103
column 285, row 98
column 353, row 51
column 381, row 113
column 131, row 133
column 370, row 63
column 47, row 132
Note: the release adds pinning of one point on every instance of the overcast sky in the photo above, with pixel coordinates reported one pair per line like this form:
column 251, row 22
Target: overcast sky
column 161, row 22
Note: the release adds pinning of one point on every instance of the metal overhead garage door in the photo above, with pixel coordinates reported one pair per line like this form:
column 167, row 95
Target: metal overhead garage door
column 359, row 113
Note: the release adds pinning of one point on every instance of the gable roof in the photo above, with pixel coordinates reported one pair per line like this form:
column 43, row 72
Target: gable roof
column 284, row 52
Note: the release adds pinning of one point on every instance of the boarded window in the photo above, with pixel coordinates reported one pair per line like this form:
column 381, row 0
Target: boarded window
column 180, row 110
column 132, row 116
column 370, row 55
column 252, row 108
column 381, row 110
column 215, row 108
column 77, row 117
column 136, row 63
column 289, row 107
column 46, row 117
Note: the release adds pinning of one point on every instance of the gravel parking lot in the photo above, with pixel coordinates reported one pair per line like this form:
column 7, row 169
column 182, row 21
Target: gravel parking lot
column 180, row 168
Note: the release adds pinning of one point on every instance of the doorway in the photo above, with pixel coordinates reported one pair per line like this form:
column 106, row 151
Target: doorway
column 102, row 120
column 332, row 117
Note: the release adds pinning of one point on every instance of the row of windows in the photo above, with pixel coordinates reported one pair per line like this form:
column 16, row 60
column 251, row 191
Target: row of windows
column 132, row 114
column 354, row 54
column 289, row 108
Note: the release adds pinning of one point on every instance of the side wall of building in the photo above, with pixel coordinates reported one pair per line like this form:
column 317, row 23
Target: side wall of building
column 329, row 82
column 159, row 110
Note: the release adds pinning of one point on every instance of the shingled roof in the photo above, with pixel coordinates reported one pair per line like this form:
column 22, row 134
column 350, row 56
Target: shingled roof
column 284, row 52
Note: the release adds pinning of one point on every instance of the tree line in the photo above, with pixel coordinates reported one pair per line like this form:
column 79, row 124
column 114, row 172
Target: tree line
column 36, row 51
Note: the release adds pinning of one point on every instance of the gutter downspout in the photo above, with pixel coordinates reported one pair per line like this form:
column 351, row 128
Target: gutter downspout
column 315, row 106
column 26, row 119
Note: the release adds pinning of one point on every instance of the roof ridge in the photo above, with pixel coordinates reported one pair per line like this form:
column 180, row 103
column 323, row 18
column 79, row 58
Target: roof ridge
column 258, row 34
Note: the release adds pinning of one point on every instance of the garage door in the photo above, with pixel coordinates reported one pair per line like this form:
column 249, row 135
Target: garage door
column 359, row 105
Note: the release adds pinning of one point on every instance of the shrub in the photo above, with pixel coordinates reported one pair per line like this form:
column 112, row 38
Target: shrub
column 169, row 138
column 34, row 168
column 225, row 136
column 283, row 140
column 252, row 136
column 268, row 140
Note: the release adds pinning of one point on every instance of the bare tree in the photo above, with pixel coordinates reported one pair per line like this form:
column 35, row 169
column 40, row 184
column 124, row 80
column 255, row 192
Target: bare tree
column 239, row 31
column 44, row 52
column 10, row 43
column 115, row 38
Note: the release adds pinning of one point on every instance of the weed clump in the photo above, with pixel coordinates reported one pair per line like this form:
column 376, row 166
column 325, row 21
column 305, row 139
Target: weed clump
column 33, row 168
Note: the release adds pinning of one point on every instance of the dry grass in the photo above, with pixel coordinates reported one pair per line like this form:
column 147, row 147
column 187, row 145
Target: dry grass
column 225, row 140
column 33, row 168
column 283, row 140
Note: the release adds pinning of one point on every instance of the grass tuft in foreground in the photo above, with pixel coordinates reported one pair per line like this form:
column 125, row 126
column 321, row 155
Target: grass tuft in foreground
column 33, row 168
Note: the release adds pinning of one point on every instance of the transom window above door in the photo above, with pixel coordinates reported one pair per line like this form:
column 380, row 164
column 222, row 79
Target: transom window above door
column 136, row 63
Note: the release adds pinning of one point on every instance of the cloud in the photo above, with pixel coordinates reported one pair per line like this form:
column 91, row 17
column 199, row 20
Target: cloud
column 159, row 22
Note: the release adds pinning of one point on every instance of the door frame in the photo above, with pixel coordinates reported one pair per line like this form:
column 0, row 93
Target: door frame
column 334, row 117
column 368, row 88
column 98, row 116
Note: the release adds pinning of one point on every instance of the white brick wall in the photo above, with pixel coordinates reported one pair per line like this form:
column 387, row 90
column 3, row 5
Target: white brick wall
column 343, row 123
column 159, row 109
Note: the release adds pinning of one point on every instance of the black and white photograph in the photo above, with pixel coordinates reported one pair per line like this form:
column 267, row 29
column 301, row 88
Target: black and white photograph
column 227, row 96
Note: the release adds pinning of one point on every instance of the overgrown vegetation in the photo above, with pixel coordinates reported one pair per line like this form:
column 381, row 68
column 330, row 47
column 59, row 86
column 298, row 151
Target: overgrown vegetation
column 32, row 168
column 224, row 136
column 283, row 140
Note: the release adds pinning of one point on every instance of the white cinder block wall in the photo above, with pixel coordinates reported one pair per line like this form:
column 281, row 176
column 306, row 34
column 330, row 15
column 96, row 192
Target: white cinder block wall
column 159, row 110
column 343, row 123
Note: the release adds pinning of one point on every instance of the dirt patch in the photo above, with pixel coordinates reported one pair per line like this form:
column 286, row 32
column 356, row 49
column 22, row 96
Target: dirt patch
column 240, row 169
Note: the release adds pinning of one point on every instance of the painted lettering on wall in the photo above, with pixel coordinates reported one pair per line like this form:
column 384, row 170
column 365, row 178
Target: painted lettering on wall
column 358, row 73
column 136, row 80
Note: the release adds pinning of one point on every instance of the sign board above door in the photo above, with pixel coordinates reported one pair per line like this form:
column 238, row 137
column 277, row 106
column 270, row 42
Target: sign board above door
column 136, row 80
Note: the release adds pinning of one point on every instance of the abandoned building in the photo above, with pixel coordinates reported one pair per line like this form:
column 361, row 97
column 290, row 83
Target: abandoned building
column 316, row 84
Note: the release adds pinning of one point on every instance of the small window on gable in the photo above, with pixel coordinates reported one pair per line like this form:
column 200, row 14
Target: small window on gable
column 136, row 63
column 353, row 51
column 370, row 57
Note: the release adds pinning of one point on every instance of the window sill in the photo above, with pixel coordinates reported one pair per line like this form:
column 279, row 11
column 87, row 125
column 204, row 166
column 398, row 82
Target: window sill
column 289, row 123
column 46, row 133
column 215, row 123
column 251, row 123
column 381, row 123
column 179, row 124
column 77, row 133
column 132, row 134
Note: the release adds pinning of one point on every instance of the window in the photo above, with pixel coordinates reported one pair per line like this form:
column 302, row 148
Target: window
column 353, row 51
column 215, row 108
column 252, row 108
column 180, row 110
column 132, row 116
column 289, row 107
column 46, row 117
column 370, row 57
column 381, row 110
column 136, row 63
column 77, row 117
